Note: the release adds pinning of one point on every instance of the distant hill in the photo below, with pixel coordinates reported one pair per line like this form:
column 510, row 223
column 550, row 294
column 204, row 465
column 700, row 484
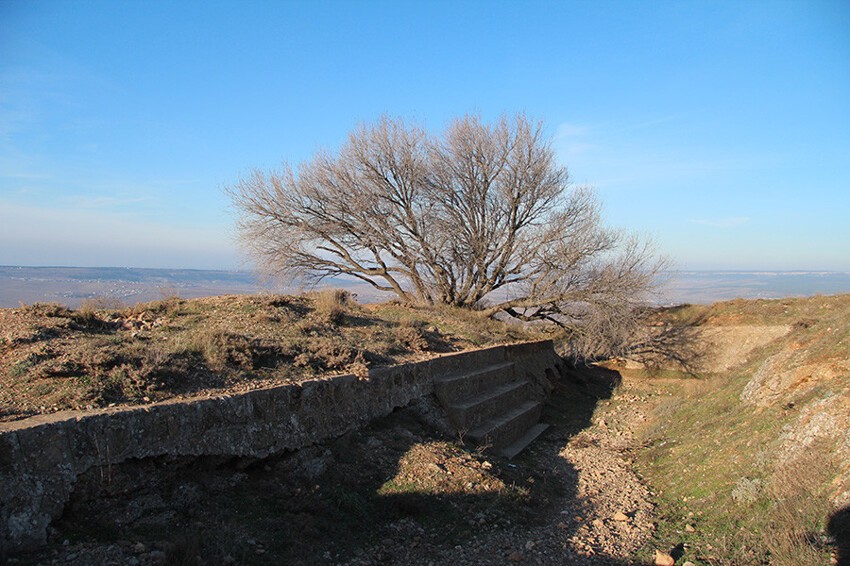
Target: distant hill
column 704, row 287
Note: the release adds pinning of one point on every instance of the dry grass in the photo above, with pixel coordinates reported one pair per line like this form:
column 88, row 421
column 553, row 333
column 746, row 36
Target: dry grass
column 800, row 496
column 101, row 304
column 332, row 304
column 54, row 358
column 219, row 350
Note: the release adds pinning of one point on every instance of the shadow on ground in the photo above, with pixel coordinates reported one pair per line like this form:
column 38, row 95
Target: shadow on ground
column 396, row 492
column 839, row 529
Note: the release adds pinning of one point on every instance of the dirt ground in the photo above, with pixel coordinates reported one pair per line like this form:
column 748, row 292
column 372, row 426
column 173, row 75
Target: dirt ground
column 727, row 347
column 397, row 492
column 53, row 358
column 402, row 492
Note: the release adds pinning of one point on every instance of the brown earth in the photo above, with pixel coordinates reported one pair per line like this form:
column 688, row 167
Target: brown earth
column 742, row 465
column 53, row 358
column 397, row 492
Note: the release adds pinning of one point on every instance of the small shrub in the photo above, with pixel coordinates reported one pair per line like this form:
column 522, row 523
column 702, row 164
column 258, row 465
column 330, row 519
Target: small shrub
column 88, row 318
column 20, row 369
column 332, row 304
column 328, row 355
column 746, row 490
column 307, row 327
column 33, row 359
column 168, row 306
column 358, row 366
column 112, row 385
column 53, row 310
column 410, row 338
column 218, row 349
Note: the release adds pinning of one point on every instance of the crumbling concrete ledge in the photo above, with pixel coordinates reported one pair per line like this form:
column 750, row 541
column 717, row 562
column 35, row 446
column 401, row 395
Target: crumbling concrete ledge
column 42, row 457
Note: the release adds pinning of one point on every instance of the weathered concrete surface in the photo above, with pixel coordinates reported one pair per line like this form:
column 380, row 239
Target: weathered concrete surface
column 41, row 457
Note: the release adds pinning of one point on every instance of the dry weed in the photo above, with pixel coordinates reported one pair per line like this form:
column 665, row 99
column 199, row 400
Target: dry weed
column 102, row 304
column 218, row 349
column 167, row 307
column 332, row 304
column 801, row 506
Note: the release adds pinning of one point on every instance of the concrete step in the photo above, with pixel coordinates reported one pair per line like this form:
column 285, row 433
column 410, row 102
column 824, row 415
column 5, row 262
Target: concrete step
column 456, row 387
column 504, row 429
column 472, row 411
column 522, row 442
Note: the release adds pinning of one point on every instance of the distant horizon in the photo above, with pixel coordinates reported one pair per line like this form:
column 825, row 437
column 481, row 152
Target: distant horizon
column 59, row 266
column 245, row 270
column 71, row 285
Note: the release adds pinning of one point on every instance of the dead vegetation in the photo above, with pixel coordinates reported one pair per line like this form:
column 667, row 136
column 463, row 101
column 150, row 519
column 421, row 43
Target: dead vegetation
column 480, row 215
column 53, row 358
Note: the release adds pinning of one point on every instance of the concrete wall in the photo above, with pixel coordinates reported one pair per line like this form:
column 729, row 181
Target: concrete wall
column 42, row 457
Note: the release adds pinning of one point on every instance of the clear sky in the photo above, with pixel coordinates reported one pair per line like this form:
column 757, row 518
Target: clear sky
column 719, row 128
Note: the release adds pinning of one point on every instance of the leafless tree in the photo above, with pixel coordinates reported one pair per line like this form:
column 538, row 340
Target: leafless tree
column 481, row 216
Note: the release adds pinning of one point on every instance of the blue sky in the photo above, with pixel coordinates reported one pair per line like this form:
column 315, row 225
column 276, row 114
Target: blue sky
column 719, row 128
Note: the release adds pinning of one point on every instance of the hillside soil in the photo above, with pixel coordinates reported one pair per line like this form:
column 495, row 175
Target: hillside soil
column 54, row 359
column 745, row 462
column 396, row 492
column 750, row 458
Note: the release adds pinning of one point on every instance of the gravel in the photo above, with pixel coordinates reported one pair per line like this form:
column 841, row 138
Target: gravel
column 599, row 511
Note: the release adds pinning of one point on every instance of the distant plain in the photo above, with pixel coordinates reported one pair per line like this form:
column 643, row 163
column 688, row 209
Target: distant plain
column 70, row 286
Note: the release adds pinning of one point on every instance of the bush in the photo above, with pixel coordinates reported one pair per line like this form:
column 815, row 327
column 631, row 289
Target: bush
column 332, row 304
column 219, row 349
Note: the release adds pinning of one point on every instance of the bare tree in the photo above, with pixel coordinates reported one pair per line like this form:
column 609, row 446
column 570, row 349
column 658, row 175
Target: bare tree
column 481, row 216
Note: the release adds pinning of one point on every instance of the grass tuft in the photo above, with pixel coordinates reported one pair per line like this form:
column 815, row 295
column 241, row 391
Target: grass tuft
column 332, row 305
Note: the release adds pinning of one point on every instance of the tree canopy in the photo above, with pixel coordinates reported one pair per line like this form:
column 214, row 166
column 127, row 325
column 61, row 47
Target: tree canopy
column 479, row 216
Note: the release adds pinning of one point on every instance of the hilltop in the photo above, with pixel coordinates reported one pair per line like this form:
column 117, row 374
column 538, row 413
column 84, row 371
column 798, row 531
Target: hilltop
column 745, row 459
column 54, row 358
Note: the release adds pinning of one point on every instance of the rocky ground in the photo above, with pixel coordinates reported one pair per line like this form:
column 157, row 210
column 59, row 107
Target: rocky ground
column 397, row 492
column 744, row 464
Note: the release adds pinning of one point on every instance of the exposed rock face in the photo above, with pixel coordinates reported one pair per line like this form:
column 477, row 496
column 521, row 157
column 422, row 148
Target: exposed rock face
column 815, row 390
column 825, row 422
column 787, row 375
column 42, row 457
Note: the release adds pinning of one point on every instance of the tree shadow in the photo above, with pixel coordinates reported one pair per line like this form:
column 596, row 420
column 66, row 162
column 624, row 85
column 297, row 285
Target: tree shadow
column 394, row 492
column 671, row 339
column 838, row 527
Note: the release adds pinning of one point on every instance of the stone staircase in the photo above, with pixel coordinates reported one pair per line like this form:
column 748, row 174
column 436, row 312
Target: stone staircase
column 492, row 406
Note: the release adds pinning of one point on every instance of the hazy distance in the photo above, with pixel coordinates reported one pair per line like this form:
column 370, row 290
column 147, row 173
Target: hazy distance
column 71, row 286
